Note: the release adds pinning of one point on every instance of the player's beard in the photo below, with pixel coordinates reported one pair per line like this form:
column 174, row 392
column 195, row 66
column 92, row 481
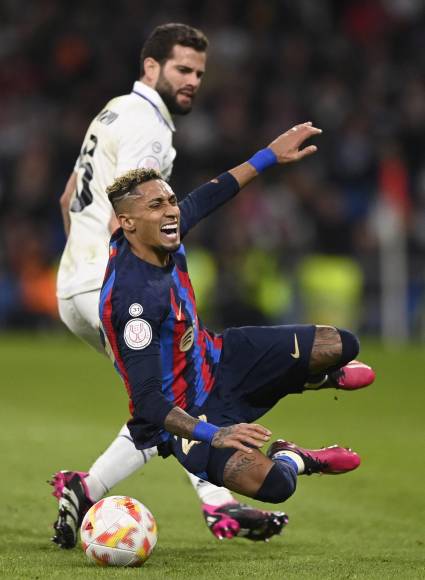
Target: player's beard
column 168, row 95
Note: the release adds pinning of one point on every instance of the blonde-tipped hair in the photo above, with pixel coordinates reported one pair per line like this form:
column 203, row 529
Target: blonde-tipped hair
column 126, row 184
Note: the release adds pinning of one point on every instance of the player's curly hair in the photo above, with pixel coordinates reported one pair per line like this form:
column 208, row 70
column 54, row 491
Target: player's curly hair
column 126, row 184
column 163, row 38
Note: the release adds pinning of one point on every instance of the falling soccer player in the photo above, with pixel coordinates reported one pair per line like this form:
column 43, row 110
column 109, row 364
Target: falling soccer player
column 196, row 394
column 133, row 130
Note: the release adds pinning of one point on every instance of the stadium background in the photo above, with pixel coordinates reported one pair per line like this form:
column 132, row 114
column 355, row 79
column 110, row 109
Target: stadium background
column 339, row 238
column 340, row 235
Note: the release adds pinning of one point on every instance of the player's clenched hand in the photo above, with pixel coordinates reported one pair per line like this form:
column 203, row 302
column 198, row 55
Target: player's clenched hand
column 240, row 436
column 287, row 146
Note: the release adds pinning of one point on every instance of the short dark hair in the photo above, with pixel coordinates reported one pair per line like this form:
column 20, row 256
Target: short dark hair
column 160, row 43
column 127, row 183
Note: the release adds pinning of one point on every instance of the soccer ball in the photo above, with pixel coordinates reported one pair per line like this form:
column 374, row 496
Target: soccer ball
column 118, row 531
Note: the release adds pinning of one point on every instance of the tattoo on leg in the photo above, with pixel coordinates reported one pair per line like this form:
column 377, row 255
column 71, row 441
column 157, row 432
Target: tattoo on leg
column 245, row 473
column 327, row 349
column 237, row 466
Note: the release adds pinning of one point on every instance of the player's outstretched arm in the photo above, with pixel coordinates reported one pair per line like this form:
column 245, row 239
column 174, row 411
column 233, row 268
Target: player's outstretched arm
column 243, row 436
column 210, row 196
column 284, row 149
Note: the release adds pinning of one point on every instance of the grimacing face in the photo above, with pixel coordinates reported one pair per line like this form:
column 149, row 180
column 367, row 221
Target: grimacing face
column 180, row 78
column 153, row 221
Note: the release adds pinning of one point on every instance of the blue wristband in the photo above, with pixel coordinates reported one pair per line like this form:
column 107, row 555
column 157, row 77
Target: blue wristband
column 263, row 159
column 204, row 431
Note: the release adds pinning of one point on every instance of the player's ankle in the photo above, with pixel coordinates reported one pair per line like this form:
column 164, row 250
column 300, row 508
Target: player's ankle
column 291, row 458
column 95, row 487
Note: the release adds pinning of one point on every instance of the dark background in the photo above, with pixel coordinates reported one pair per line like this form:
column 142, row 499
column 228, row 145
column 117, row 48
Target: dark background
column 337, row 238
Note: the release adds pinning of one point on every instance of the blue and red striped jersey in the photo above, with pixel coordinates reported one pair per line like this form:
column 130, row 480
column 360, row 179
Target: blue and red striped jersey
column 151, row 328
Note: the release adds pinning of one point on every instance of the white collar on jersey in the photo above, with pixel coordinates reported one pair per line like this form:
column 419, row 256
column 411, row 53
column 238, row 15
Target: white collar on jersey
column 155, row 100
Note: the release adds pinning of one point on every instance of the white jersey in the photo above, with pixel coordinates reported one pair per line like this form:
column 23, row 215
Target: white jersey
column 132, row 131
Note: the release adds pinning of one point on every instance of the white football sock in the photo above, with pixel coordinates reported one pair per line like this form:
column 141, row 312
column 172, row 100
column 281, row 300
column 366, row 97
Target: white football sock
column 209, row 493
column 292, row 455
column 120, row 460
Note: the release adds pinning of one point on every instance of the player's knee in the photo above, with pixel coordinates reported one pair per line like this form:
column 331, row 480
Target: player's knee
column 350, row 346
column 332, row 347
column 279, row 484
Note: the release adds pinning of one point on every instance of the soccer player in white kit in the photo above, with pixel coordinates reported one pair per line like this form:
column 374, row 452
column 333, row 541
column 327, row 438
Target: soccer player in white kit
column 132, row 131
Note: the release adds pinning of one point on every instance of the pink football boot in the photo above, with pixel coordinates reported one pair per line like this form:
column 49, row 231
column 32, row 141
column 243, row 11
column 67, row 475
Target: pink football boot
column 355, row 375
column 243, row 521
column 74, row 499
column 330, row 460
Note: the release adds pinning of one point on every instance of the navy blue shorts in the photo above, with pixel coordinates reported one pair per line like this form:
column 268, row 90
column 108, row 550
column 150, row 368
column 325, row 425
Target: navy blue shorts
column 259, row 366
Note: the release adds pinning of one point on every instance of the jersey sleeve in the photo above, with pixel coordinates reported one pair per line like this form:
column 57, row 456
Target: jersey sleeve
column 140, row 145
column 139, row 361
column 205, row 199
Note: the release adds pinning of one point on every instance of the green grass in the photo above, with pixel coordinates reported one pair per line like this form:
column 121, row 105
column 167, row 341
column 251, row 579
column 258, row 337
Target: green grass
column 62, row 404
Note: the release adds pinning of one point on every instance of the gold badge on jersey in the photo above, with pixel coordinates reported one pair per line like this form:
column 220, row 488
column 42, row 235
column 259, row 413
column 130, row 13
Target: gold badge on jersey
column 187, row 339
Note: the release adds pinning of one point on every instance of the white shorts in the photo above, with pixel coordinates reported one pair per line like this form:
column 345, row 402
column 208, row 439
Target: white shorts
column 81, row 315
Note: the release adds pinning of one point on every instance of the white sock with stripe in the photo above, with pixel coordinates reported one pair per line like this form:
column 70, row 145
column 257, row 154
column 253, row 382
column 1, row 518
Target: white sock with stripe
column 294, row 457
column 120, row 460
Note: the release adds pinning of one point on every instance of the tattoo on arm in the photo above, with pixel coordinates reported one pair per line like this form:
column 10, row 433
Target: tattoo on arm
column 180, row 423
column 219, row 437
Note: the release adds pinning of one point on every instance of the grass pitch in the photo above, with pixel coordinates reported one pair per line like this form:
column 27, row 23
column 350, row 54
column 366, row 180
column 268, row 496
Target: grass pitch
column 62, row 404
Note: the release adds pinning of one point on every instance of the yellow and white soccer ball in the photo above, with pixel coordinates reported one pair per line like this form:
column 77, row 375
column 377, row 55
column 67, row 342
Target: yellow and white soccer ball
column 118, row 531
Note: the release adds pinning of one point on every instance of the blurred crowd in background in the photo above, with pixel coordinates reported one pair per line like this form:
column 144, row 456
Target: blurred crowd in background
column 325, row 240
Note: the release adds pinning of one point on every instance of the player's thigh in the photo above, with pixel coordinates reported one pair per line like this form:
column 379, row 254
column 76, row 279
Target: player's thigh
column 258, row 359
column 81, row 315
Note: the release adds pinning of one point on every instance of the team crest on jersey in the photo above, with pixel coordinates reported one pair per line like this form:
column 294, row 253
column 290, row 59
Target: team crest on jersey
column 135, row 309
column 187, row 339
column 137, row 334
column 156, row 147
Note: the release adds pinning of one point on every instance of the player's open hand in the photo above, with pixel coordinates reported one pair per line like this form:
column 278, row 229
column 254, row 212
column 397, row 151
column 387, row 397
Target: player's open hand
column 287, row 146
column 240, row 436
